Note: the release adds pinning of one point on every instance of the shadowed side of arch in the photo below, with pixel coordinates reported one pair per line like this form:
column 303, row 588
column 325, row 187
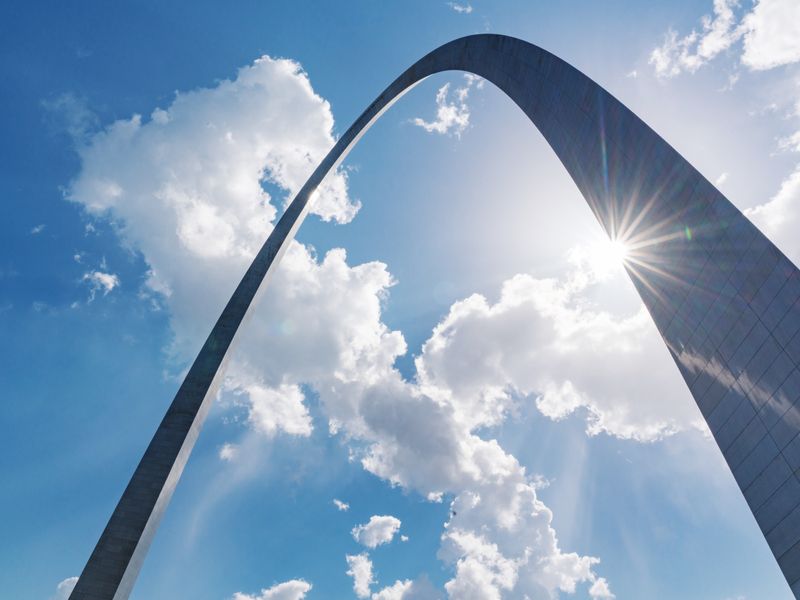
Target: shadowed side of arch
column 725, row 300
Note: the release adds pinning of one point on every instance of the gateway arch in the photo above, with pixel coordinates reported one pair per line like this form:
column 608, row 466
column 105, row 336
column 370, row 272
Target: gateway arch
column 725, row 300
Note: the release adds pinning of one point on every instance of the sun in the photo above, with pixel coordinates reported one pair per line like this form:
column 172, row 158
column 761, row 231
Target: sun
column 608, row 257
column 617, row 252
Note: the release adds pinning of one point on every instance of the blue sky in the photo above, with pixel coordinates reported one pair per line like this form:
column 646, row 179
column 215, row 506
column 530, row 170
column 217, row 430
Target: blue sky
column 472, row 374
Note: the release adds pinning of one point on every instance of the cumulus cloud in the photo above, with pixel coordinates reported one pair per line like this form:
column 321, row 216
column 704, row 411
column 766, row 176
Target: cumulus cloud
column 295, row 589
column 600, row 589
column 98, row 281
column 452, row 112
column 342, row 506
column 499, row 536
column 379, row 530
column 481, row 569
column 543, row 339
column 771, row 34
column 186, row 188
column 277, row 409
column 64, row 589
column 360, row 569
column 210, row 148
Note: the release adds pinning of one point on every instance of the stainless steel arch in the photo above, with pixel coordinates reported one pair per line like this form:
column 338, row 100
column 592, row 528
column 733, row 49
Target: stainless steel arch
column 725, row 300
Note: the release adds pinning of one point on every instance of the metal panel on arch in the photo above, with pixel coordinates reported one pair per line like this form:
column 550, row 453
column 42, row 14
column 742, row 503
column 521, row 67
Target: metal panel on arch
column 725, row 300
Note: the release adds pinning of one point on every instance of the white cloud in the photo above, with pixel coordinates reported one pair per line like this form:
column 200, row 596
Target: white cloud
column 379, row 530
column 723, row 177
column 692, row 51
column 64, row 589
column 38, row 229
column 360, row 569
column 295, row 589
column 420, row 589
column 399, row 590
column 481, row 570
column 499, row 535
column 543, row 339
column 211, row 148
column 600, row 589
column 228, row 452
column 452, row 115
column 342, row 506
column 99, row 281
column 773, row 34
column 185, row 189
column 464, row 9
column 277, row 409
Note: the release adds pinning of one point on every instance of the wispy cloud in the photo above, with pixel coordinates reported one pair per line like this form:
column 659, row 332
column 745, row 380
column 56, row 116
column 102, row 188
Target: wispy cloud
column 452, row 110
column 464, row 9
column 690, row 52
column 71, row 114
column 342, row 506
column 228, row 452
column 100, row 281
column 38, row 229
